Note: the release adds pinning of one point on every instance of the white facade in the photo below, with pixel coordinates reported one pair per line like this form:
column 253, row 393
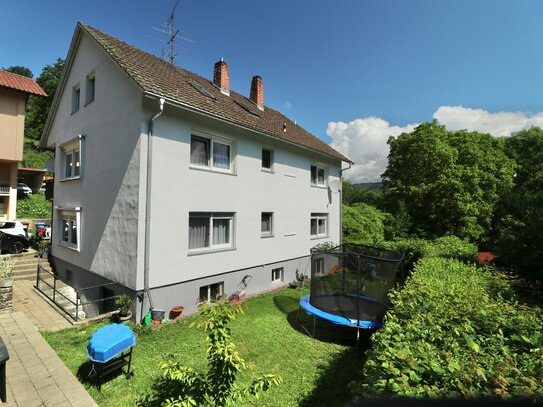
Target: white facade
column 108, row 194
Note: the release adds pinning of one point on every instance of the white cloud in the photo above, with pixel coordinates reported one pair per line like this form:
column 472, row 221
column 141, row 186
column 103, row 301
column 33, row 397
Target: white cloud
column 365, row 142
column 288, row 104
column 499, row 124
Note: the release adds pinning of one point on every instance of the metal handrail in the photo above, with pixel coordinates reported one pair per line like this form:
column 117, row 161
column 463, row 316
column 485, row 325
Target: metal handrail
column 77, row 303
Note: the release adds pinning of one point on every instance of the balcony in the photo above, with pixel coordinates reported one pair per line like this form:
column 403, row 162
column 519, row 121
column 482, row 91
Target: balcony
column 4, row 188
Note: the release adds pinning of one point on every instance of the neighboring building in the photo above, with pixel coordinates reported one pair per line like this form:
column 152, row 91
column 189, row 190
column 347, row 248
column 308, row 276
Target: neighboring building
column 14, row 92
column 171, row 184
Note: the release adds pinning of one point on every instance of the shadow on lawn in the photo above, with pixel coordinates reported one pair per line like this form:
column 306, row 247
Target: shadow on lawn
column 335, row 378
column 313, row 327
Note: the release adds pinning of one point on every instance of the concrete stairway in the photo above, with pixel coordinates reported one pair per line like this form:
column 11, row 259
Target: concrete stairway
column 26, row 265
column 64, row 297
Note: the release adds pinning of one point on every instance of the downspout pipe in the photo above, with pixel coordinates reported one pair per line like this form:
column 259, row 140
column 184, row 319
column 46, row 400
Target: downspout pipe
column 341, row 201
column 148, row 189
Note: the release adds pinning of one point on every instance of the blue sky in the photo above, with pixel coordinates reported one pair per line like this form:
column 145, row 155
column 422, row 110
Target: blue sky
column 352, row 72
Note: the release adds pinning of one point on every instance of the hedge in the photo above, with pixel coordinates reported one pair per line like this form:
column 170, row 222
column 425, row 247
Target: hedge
column 455, row 329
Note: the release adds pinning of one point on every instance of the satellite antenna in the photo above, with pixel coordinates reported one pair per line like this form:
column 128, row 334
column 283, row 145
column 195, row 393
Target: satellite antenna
column 334, row 186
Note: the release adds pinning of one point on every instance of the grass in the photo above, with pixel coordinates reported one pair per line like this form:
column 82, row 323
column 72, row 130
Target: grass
column 33, row 207
column 316, row 371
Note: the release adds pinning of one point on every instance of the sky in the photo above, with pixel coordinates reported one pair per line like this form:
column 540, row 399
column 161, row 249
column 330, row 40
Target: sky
column 352, row 72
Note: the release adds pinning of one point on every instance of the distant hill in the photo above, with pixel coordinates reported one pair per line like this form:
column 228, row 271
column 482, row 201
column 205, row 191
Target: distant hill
column 370, row 186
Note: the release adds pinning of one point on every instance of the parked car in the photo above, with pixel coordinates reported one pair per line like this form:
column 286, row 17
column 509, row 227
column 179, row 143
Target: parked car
column 12, row 243
column 13, row 227
column 23, row 189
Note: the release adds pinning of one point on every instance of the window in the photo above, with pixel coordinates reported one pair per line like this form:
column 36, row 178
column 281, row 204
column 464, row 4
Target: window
column 266, row 224
column 211, row 292
column 267, row 159
column 89, row 93
column 213, row 153
column 69, row 220
column 319, row 225
column 210, row 231
column 277, row 275
column 70, row 159
column 76, row 92
column 318, row 266
column 317, row 176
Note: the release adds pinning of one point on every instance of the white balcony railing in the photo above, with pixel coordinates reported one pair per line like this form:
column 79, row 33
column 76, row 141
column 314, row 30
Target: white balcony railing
column 4, row 188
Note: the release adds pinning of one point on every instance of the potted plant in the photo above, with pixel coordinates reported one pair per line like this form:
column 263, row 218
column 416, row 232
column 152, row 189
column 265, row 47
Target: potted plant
column 6, row 283
column 124, row 305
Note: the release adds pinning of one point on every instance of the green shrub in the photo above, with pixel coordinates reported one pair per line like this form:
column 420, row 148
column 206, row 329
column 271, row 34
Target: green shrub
column 363, row 224
column 452, row 332
column 33, row 207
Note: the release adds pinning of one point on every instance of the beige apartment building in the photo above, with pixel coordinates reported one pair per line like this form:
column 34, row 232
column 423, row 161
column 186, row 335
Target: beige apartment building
column 14, row 92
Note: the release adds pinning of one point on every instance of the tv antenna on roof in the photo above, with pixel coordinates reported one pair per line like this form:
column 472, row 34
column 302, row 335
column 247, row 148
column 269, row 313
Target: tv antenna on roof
column 168, row 28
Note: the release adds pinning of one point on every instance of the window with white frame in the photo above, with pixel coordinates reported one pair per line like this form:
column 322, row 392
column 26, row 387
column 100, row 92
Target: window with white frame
column 211, row 292
column 211, row 231
column 90, row 87
column 267, row 159
column 266, row 224
column 318, row 176
column 211, row 152
column 70, row 155
column 318, row 266
column 69, row 222
column 277, row 275
column 319, row 225
column 76, row 93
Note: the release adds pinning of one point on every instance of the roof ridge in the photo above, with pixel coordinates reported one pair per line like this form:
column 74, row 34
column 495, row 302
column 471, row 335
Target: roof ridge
column 173, row 82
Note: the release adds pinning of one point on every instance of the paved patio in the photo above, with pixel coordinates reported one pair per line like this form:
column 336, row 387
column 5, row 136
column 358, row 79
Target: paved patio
column 35, row 374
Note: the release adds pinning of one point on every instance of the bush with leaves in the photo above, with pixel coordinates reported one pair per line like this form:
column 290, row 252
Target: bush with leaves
column 363, row 224
column 218, row 386
column 455, row 330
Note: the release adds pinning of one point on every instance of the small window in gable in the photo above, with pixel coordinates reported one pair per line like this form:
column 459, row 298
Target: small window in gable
column 267, row 159
column 89, row 92
column 318, row 176
column 76, row 93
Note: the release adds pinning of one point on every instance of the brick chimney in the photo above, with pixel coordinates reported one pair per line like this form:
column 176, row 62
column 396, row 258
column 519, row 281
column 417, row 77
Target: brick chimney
column 220, row 77
column 257, row 92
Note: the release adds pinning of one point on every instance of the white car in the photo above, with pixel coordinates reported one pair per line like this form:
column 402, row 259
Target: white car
column 23, row 189
column 13, row 227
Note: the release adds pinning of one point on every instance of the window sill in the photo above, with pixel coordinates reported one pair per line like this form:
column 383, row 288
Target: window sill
column 319, row 237
column 67, row 246
column 74, row 112
column 277, row 282
column 267, row 236
column 209, row 251
column 268, row 170
column 88, row 103
column 319, row 186
column 215, row 171
column 71, row 179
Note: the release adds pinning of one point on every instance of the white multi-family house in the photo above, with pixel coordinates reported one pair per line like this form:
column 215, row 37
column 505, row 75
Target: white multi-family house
column 175, row 187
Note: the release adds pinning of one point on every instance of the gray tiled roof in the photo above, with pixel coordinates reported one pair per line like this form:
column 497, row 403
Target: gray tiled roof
column 157, row 76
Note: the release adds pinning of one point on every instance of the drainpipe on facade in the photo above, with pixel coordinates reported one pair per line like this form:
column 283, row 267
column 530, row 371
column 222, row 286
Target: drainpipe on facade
column 148, row 184
column 341, row 202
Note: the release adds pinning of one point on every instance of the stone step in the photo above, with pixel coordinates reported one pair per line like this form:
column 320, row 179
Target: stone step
column 24, row 276
column 33, row 260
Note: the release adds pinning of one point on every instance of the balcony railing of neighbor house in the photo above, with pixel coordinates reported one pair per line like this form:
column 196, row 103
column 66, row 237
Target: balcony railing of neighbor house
column 4, row 188
column 66, row 297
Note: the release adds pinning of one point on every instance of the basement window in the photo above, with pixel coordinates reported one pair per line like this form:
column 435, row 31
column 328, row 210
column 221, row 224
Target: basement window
column 211, row 292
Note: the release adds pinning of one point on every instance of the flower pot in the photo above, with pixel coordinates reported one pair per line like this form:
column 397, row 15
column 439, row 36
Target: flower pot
column 123, row 319
column 6, row 283
column 157, row 314
column 176, row 312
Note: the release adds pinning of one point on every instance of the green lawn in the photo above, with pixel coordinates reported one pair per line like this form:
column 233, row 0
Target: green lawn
column 316, row 371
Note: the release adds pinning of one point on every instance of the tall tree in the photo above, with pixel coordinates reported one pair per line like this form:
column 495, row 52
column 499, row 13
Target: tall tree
column 520, row 241
column 449, row 182
column 38, row 107
column 19, row 70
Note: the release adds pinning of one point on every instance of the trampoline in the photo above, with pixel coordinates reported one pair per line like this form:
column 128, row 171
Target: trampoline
column 350, row 285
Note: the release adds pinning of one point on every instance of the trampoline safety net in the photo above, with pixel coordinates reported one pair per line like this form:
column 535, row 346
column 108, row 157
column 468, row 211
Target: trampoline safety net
column 353, row 281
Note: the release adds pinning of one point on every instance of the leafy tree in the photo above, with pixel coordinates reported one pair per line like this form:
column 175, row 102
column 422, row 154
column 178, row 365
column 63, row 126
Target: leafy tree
column 520, row 238
column 20, row 70
column 218, row 387
column 352, row 194
column 363, row 224
column 38, row 106
column 32, row 156
column 449, row 182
